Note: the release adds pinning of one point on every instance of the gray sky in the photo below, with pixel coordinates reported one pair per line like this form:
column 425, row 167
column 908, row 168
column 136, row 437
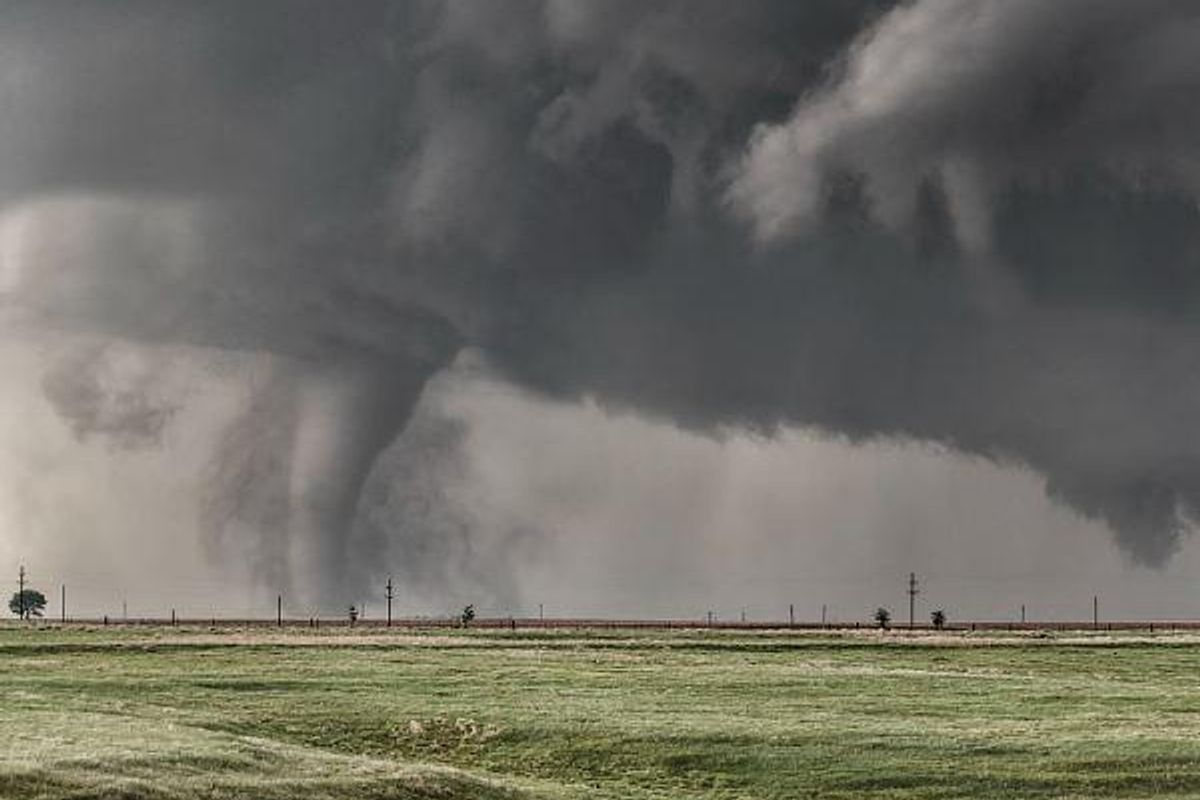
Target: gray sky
column 628, row 308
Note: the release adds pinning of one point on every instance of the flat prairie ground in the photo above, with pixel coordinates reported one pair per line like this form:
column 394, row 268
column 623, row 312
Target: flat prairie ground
column 227, row 713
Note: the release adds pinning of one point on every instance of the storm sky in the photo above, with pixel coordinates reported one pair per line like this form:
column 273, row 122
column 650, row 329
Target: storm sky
column 621, row 307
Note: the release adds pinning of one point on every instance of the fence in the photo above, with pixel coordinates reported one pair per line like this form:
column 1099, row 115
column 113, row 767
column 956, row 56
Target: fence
column 535, row 623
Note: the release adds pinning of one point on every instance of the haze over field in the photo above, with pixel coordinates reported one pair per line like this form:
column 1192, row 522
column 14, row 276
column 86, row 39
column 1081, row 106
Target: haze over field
column 628, row 308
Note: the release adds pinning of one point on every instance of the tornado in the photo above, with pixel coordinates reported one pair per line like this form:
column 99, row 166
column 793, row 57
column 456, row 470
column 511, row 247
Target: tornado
column 346, row 416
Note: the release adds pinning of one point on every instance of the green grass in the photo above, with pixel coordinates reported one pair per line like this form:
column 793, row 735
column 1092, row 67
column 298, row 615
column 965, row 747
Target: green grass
column 178, row 713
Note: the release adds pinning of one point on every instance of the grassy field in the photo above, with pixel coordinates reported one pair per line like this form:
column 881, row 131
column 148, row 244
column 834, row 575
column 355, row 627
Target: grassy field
column 190, row 713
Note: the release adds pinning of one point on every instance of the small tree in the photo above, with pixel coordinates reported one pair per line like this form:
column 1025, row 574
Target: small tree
column 27, row 604
column 468, row 615
column 883, row 617
column 938, row 618
column 353, row 614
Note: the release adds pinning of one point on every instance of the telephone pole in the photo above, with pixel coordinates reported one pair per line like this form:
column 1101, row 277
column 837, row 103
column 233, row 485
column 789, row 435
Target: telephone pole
column 1095, row 611
column 391, row 593
column 913, row 591
column 63, row 604
column 278, row 611
column 21, row 592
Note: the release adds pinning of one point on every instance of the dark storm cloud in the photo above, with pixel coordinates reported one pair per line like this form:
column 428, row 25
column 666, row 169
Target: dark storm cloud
column 971, row 223
column 1060, row 141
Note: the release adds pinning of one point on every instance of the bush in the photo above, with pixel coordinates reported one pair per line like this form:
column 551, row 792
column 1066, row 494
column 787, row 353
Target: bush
column 883, row 617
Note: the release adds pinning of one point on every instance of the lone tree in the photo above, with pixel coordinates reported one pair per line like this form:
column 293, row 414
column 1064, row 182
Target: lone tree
column 883, row 617
column 938, row 618
column 468, row 615
column 27, row 603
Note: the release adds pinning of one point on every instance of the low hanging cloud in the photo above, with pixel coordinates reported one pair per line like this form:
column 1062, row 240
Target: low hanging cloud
column 967, row 223
column 975, row 98
column 121, row 399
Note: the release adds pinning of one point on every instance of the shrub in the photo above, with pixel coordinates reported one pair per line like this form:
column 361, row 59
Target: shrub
column 883, row 617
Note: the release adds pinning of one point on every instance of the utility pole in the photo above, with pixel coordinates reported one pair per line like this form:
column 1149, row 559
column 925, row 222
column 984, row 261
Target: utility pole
column 1022, row 613
column 21, row 592
column 1095, row 611
column 710, row 619
column 791, row 613
column 541, row 613
column 391, row 593
column 278, row 611
column 63, row 603
column 913, row 591
column 822, row 615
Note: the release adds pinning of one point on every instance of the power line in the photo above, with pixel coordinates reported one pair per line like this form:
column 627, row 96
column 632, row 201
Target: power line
column 390, row 594
column 913, row 591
